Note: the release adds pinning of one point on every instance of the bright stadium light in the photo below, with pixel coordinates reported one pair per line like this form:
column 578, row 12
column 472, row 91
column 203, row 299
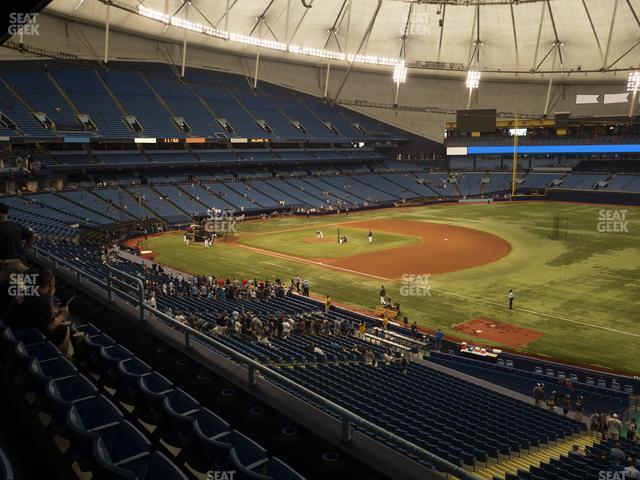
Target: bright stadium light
column 399, row 76
column 473, row 79
column 262, row 43
column 400, row 73
column 633, row 84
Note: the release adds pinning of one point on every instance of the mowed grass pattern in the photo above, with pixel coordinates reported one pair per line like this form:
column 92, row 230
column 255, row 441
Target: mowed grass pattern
column 583, row 293
column 302, row 242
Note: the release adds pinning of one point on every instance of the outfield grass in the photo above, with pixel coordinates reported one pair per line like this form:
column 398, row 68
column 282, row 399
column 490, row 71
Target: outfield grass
column 583, row 293
column 302, row 242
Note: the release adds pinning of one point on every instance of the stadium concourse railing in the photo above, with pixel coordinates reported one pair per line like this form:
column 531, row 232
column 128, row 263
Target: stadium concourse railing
column 131, row 289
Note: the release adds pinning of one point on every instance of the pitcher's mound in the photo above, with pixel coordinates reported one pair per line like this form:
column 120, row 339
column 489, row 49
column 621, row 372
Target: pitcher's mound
column 507, row 334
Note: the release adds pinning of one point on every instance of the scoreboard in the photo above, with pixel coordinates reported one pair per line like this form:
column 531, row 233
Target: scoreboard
column 201, row 140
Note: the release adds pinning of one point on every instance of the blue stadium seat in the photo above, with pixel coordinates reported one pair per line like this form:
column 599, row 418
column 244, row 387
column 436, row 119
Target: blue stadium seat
column 118, row 447
column 35, row 351
column 110, row 357
column 65, row 392
column 279, row 470
column 93, row 345
column 155, row 466
column 247, row 456
column 181, row 409
column 10, row 339
column 154, row 388
column 211, row 435
column 87, row 418
column 43, row 371
column 130, row 371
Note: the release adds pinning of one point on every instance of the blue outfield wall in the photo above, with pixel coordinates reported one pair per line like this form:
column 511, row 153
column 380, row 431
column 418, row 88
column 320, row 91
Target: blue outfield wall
column 497, row 149
column 594, row 196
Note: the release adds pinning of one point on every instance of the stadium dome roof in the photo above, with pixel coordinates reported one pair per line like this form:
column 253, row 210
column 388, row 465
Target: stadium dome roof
column 502, row 37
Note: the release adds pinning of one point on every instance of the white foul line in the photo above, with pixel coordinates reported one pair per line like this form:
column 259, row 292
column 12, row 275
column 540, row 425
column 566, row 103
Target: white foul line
column 284, row 256
column 526, row 310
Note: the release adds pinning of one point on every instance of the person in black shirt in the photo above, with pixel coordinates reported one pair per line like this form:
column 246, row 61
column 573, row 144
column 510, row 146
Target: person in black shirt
column 41, row 314
column 14, row 238
column 383, row 294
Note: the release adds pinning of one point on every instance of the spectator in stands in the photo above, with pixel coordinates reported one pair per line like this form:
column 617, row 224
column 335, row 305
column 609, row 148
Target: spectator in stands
column 14, row 241
column 350, row 327
column 369, row 358
column 594, row 425
column 42, row 314
column 566, row 382
column 286, row 329
column 439, row 337
column 362, row 329
column 312, row 347
column 387, row 357
column 538, row 394
column 324, row 329
column 631, row 471
column 602, row 424
column 551, row 402
column 337, row 326
column 566, row 404
column 256, row 325
column 616, row 454
column 632, row 428
column 404, row 364
column 327, row 304
column 614, row 426
column 577, row 451
column 152, row 301
column 579, row 409
column 510, row 297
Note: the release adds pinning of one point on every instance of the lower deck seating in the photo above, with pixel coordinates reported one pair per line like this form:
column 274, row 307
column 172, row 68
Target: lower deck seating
column 595, row 398
column 594, row 464
column 426, row 407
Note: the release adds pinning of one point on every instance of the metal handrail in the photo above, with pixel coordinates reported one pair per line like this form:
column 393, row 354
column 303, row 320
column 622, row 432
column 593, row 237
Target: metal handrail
column 347, row 417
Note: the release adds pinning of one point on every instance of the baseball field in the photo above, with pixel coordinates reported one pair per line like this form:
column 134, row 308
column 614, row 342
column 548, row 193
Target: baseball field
column 577, row 299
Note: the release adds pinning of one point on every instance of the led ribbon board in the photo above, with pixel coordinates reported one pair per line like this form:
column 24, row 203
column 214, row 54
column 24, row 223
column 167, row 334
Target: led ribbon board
column 630, row 148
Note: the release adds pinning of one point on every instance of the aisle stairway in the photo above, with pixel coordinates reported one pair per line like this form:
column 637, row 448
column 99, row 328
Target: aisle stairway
column 535, row 458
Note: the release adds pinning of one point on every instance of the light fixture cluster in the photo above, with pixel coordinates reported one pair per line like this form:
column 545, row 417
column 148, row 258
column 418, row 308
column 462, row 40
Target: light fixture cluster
column 473, row 79
column 268, row 44
column 400, row 73
column 633, row 84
